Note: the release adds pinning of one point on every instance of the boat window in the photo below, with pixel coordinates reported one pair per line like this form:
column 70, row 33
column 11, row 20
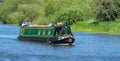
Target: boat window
column 39, row 32
column 49, row 31
column 43, row 31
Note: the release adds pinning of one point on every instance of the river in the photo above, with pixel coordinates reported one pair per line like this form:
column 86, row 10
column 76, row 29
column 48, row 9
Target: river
column 87, row 47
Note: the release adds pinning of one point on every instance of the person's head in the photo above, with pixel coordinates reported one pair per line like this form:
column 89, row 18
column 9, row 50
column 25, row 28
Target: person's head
column 59, row 23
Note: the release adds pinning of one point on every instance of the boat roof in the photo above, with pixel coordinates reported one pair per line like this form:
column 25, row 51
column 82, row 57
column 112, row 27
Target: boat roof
column 40, row 26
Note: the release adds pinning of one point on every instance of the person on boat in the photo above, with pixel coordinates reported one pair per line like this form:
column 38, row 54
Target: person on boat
column 23, row 24
column 59, row 24
column 26, row 23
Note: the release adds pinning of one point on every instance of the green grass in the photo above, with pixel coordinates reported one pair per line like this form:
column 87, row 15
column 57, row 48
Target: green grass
column 101, row 27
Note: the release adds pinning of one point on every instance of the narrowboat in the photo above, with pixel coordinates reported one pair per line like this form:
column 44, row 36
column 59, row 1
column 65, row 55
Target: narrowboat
column 49, row 34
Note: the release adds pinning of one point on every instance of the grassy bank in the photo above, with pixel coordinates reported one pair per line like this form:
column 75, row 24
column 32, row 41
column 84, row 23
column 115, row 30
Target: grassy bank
column 101, row 27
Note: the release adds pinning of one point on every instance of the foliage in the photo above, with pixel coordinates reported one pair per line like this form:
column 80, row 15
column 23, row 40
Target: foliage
column 26, row 8
column 14, row 11
column 31, row 11
column 70, row 17
column 15, row 18
column 117, row 7
column 106, row 10
column 50, row 7
column 68, row 11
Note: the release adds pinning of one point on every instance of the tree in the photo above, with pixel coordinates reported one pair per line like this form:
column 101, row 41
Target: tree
column 70, row 17
column 31, row 11
column 117, row 7
column 106, row 10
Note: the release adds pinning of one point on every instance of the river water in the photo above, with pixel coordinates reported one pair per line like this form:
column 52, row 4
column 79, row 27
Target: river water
column 87, row 47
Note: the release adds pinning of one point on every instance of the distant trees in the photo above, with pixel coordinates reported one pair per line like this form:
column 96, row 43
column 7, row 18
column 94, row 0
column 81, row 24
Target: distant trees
column 106, row 10
column 15, row 11
column 45, row 11
column 66, row 11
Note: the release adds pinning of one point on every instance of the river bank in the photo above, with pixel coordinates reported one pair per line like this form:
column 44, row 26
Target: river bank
column 97, row 27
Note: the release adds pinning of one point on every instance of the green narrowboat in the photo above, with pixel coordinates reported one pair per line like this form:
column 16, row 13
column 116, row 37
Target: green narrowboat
column 49, row 34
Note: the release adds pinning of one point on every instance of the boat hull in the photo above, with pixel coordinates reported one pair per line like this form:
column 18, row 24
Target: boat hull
column 48, row 40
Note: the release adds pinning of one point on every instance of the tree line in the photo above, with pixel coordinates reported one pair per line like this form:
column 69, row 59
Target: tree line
column 66, row 11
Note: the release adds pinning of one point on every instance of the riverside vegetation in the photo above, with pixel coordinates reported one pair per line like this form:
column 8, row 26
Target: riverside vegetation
column 83, row 15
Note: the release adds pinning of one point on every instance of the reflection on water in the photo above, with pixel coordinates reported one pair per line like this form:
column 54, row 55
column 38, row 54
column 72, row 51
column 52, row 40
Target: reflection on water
column 87, row 47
